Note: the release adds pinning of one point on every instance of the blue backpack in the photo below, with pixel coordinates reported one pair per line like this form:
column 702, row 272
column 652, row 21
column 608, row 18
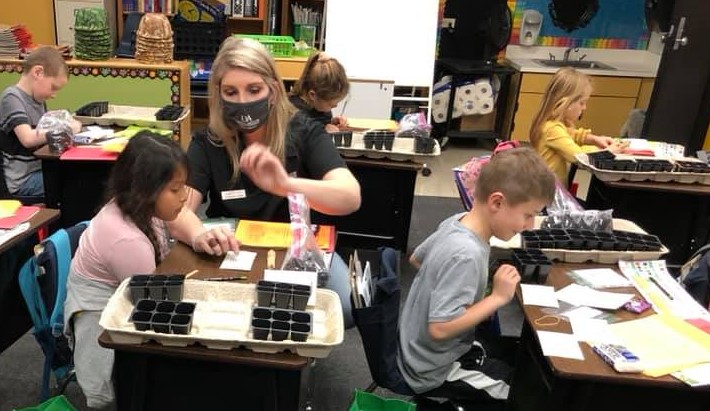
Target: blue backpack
column 43, row 280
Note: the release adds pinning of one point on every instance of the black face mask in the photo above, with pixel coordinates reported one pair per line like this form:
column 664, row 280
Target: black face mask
column 246, row 116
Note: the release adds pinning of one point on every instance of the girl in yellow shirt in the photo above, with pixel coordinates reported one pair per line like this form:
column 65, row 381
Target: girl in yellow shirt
column 554, row 134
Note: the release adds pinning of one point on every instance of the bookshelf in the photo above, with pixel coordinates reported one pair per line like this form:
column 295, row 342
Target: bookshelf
column 243, row 25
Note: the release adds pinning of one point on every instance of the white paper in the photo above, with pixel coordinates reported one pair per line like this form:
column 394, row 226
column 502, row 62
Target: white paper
column 559, row 345
column 242, row 261
column 365, row 285
column 540, row 295
column 592, row 330
column 581, row 312
column 576, row 294
column 602, row 278
column 695, row 376
column 7, row 235
column 309, row 278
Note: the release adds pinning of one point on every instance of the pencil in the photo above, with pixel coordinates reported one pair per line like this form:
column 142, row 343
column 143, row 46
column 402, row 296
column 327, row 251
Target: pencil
column 235, row 278
column 191, row 273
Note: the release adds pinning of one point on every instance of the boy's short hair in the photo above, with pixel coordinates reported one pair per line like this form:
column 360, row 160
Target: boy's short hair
column 48, row 58
column 520, row 174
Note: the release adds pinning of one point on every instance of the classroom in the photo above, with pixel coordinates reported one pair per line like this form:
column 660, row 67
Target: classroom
column 338, row 205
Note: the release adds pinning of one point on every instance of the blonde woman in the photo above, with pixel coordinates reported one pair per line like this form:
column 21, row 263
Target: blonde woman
column 323, row 84
column 554, row 133
column 256, row 150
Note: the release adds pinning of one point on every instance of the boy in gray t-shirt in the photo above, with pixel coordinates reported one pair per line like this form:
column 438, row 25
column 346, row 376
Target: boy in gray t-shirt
column 437, row 350
column 44, row 73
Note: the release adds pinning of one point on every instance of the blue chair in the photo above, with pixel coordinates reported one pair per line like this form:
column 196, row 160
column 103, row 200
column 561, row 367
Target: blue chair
column 43, row 280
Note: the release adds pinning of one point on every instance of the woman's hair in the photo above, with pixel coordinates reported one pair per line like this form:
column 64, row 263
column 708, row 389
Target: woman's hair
column 49, row 58
column 144, row 168
column 250, row 55
column 566, row 88
column 325, row 76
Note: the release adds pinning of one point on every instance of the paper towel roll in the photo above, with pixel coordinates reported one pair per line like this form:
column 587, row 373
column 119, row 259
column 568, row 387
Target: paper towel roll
column 485, row 105
column 469, row 106
column 482, row 88
column 440, row 105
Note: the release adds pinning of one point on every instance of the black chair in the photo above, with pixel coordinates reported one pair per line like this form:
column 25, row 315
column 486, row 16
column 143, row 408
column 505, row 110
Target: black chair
column 378, row 325
column 5, row 192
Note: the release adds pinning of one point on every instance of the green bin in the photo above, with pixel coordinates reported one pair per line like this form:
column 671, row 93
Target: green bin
column 58, row 403
column 365, row 401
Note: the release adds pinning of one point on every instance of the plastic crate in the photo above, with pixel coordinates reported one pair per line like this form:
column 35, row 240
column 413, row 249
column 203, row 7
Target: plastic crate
column 278, row 46
column 197, row 40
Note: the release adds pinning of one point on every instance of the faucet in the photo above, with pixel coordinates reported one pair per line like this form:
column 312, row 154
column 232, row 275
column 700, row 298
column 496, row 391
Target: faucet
column 565, row 58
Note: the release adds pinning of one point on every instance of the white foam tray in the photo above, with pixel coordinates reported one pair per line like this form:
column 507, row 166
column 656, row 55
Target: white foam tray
column 124, row 116
column 595, row 256
column 657, row 176
column 222, row 320
column 402, row 150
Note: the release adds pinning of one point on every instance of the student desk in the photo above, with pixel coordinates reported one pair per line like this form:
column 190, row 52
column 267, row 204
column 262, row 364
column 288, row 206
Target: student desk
column 13, row 310
column 553, row 383
column 679, row 214
column 156, row 377
column 76, row 187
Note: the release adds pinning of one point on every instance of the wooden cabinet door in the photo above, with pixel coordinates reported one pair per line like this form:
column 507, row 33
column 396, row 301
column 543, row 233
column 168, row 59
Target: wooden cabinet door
column 528, row 104
column 606, row 115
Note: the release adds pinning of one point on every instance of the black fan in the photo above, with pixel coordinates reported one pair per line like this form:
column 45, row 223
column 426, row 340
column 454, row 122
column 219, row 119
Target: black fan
column 570, row 15
column 500, row 25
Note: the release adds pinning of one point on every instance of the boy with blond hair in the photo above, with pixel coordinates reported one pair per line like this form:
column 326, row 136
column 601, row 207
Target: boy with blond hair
column 438, row 353
column 44, row 73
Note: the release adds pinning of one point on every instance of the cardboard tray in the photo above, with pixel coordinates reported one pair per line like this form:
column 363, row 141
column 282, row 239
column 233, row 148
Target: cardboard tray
column 402, row 150
column 595, row 256
column 124, row 116
column 222, row 320
column 657, row 176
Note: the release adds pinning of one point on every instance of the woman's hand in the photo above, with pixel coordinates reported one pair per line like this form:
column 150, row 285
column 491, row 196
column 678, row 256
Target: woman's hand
column 216, row 241
column 265, row 169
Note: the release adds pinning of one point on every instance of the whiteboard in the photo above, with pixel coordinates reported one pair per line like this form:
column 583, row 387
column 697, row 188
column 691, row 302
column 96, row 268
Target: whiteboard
column 384, row 39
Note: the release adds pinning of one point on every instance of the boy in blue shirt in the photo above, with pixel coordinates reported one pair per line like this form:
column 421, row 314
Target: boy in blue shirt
column 438, row 354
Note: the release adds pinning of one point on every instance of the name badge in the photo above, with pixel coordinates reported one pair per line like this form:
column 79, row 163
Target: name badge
column 233, row 194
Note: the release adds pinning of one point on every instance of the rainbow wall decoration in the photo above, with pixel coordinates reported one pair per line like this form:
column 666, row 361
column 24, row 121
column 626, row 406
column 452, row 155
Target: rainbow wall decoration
column 617, row 25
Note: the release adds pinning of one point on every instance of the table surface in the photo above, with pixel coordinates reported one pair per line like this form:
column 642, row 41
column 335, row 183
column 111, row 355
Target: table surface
column 183, row 260
column 593, row 368
column 43, row 217
column 695, row 189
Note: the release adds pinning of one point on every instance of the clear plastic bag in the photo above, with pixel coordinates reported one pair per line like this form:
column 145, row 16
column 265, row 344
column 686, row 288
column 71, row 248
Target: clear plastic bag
column 595, row 220
column 303, row 254
column 57, row 124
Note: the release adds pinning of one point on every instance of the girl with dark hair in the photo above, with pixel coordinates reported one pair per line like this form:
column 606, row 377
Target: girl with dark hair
column 127, row 236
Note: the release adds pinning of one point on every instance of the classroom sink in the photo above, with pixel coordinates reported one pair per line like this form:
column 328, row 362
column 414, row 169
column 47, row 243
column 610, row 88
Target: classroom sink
column 581, row 64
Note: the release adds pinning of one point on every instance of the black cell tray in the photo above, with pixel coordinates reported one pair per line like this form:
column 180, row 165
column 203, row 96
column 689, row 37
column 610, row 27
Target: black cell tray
column 165, row 317
column 281, row 324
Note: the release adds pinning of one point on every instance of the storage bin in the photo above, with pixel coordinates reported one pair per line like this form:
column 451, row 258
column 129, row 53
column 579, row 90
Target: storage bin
column 278, row 46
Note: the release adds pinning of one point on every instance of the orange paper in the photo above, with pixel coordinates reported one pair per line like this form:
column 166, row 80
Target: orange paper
column 278, row 235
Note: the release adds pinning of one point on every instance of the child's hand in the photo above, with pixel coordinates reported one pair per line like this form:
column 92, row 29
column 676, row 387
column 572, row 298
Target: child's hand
column 339, row 121
column 603, row 141
column 331, row 128
column 505, row 280
column 618, row 146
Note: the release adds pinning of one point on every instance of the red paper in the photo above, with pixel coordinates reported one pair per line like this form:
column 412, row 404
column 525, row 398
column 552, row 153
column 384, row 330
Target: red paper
column 88, row 153
column 24, row 213
column 700, row 323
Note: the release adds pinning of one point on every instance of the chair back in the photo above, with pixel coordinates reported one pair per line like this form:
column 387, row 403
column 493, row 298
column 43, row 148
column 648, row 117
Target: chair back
column 378, row 325
column 5, row 192
column 43, row 280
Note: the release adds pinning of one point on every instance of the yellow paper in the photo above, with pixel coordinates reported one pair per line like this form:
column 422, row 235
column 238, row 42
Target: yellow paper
column 278, row 235
column 664, row 343
column 9, row 207
column 368, row 123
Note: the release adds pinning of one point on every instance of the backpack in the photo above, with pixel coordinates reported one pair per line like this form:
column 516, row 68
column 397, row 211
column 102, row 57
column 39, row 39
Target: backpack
column 695, row 276
column 43, row 280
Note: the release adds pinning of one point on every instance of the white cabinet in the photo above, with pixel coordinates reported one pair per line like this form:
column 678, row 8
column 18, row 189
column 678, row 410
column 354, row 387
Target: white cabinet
column 367, row 99
column 64, row 17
